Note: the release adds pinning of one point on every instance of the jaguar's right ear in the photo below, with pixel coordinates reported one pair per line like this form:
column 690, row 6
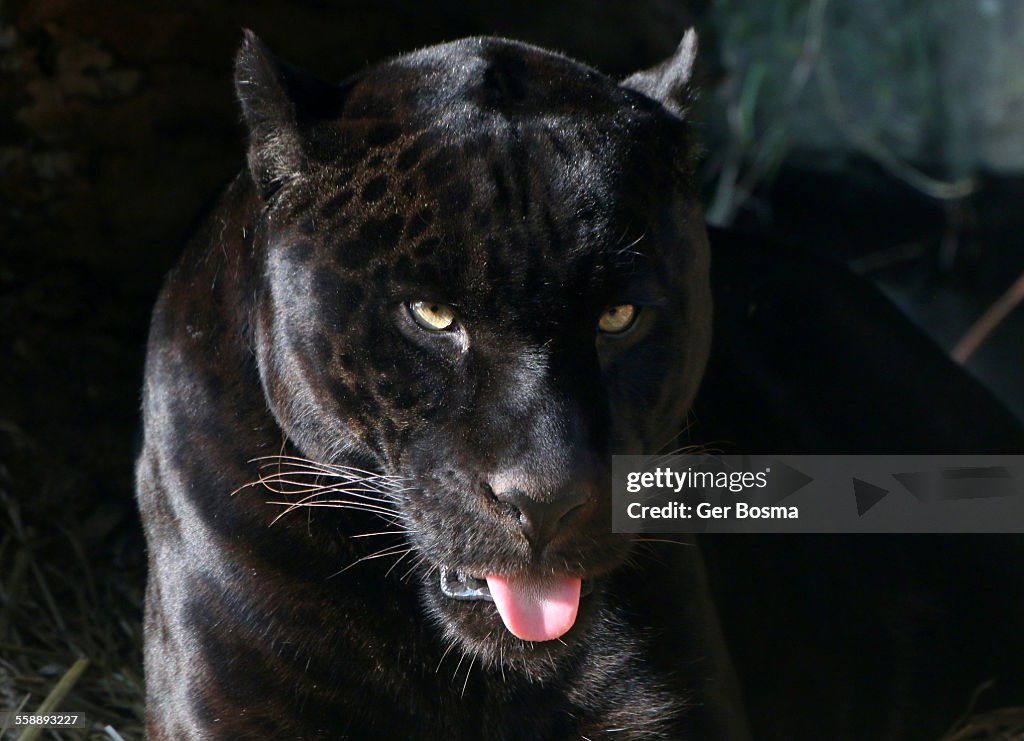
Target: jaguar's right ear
column 669, row 82
column 279, row 105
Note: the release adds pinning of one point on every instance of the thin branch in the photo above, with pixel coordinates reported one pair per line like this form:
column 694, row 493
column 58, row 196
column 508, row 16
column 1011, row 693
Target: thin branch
column 879, row 152
column 986, row 324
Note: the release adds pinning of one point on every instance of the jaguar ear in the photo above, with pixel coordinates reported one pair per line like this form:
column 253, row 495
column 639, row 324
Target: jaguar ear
column 669, row 82
column 280, row 104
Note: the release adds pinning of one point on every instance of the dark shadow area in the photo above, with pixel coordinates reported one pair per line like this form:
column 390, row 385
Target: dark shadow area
column 852, row 636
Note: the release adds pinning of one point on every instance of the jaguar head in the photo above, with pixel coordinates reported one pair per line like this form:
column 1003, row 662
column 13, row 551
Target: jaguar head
column 485, row 271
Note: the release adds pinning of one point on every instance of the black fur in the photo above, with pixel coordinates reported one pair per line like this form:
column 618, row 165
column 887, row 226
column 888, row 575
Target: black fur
column 528, row 192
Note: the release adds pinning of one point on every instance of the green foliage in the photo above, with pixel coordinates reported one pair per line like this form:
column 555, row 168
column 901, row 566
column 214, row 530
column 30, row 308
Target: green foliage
column 819, row 76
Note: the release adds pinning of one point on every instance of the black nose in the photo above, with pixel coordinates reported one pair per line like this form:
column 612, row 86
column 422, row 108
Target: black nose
column 541, row 520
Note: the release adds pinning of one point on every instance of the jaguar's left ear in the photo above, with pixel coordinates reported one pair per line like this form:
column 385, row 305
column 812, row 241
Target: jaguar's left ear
column 669, row 82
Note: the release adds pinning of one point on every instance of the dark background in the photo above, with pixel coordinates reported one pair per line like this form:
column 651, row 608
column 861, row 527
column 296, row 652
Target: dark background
column 118, row 124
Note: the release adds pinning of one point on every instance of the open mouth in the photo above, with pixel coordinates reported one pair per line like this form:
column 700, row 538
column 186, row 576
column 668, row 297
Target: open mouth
column 533, row 609
column 457, row 584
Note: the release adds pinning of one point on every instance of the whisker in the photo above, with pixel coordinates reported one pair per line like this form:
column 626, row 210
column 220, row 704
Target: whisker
column 342, row 504
column 375, row 481
column 662, row 540
column 458, row 666
column 382, row 532
column 300, row 469
column 300, row 488
column 332, row 468
column 365, row 506
column 313, row 500
column 415, row 564
column 314, row 492
column 468, row 672
column 445, row 654
column 337, row 504
column 393, row 551
column 392, row 567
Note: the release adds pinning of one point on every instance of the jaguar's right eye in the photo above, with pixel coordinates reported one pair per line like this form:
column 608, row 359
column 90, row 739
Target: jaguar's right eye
column 432, row 316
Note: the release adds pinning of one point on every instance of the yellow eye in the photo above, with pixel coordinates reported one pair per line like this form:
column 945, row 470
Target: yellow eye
column 617, row 318
column 435, row 317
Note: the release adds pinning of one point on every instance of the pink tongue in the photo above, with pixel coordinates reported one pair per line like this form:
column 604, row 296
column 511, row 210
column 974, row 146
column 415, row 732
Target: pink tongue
column 536, row 610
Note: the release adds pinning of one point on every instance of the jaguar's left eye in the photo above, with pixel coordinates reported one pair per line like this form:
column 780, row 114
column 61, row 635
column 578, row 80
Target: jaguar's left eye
column 431, row 316
column 618, row 318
